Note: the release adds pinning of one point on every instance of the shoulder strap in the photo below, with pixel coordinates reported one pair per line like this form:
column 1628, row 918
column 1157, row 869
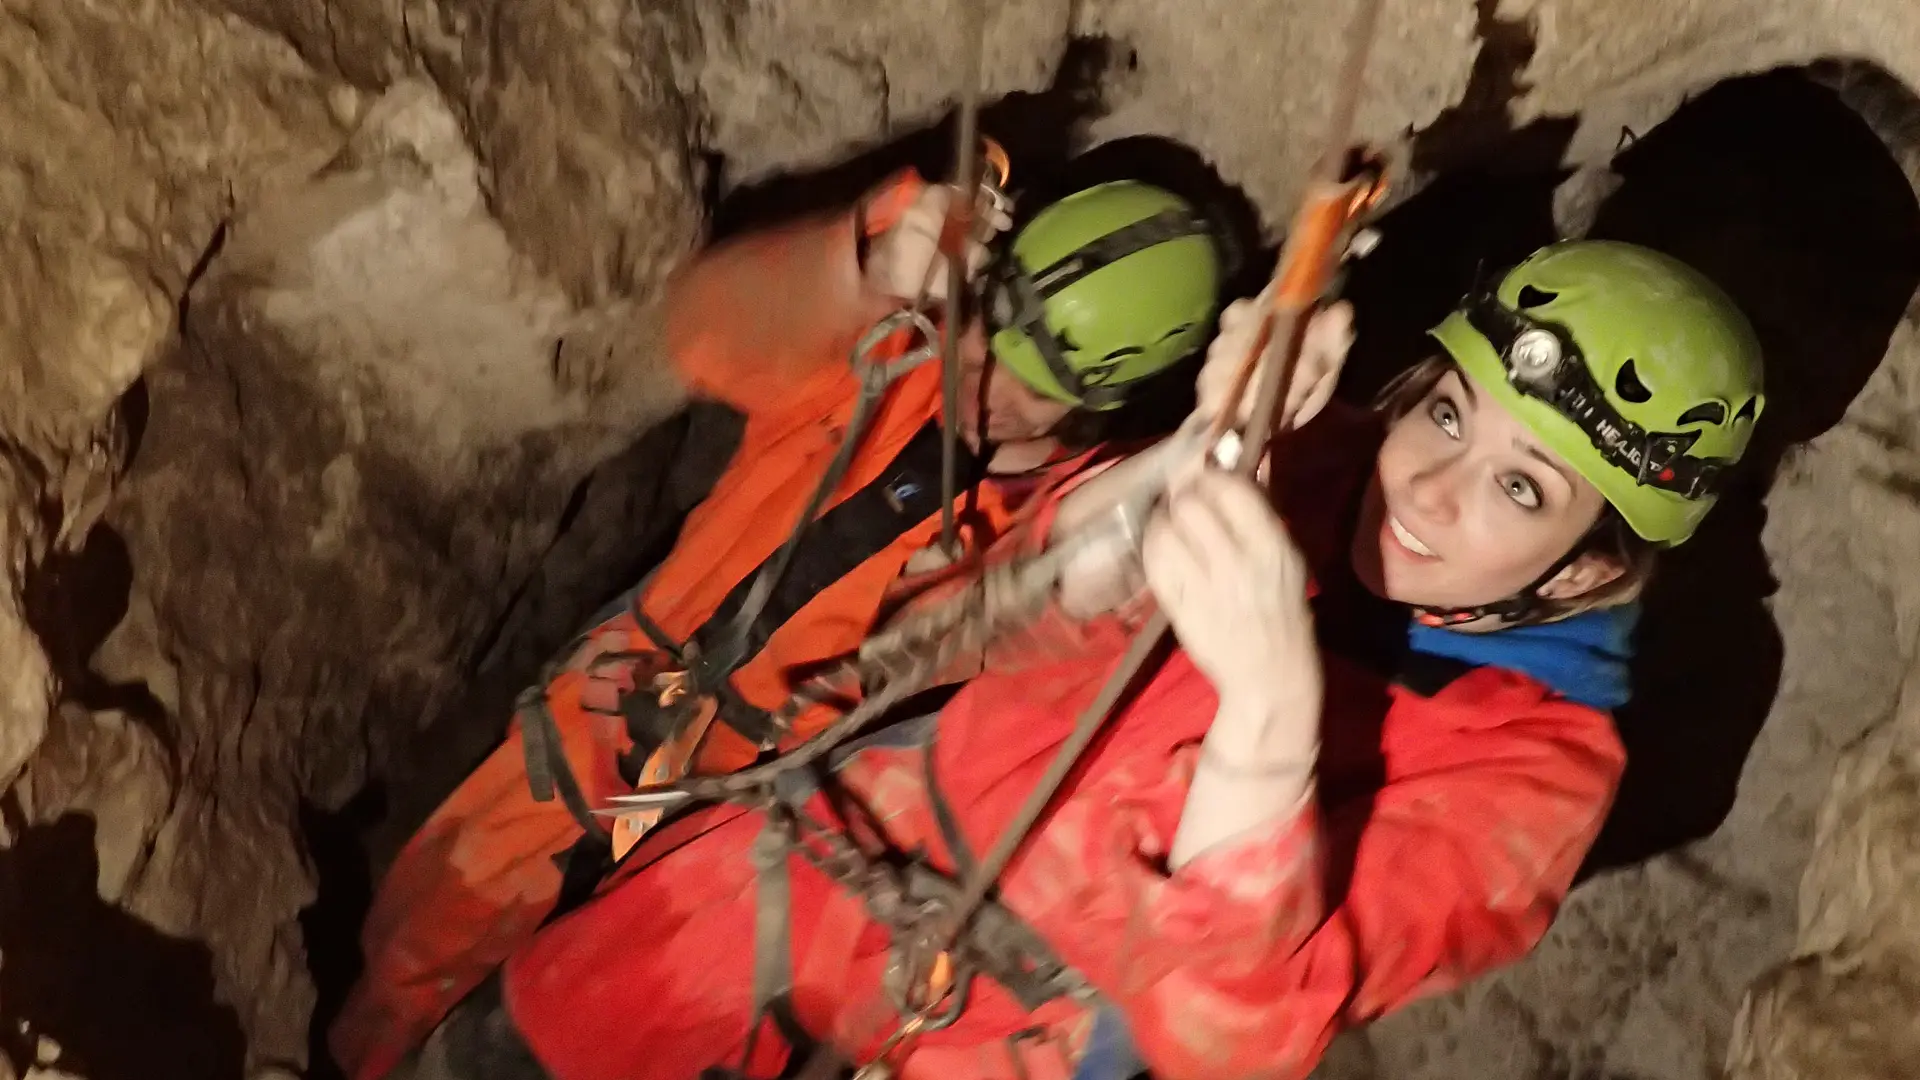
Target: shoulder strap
column 832, row 546
column 547, row 768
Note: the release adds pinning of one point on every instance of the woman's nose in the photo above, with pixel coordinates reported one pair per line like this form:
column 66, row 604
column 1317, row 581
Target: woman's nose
column 1434, row 491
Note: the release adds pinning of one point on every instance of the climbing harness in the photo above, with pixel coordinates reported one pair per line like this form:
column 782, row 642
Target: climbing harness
column 672, row 714
column 900, row 892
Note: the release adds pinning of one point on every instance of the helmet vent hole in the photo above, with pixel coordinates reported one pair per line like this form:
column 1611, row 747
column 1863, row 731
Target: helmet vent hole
column 1532, row 297
column 1749, row 410
column 1707, row 412
column 1628, row 385
column 1173, row 333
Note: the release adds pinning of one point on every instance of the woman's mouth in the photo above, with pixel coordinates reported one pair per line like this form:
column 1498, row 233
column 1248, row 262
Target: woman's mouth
column 1408, row 542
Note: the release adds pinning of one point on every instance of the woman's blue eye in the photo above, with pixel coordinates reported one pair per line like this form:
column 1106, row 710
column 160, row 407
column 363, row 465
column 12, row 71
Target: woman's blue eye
column 1522, row 490
column 1445, row 416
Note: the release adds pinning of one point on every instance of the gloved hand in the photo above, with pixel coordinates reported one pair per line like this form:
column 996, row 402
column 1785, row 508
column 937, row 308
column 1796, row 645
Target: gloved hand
column 899, row 259
column 1234, row 586
column 1107, row 516
column 1323, row 354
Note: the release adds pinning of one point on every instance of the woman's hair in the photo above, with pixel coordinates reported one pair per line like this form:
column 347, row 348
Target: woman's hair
column 1611, row 537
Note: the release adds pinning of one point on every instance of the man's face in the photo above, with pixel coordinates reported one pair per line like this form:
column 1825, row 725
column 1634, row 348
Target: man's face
column 1013, row 411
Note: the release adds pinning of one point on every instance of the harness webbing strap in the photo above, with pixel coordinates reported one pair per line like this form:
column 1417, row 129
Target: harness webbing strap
column 822, row 549
column 830, row 547
column 547, row 768
column 546, row 765
column 773, row 963
column 772, row 922
column 943, row 815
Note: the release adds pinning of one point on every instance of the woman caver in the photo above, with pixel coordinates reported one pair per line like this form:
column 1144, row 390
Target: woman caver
column 1301, row 822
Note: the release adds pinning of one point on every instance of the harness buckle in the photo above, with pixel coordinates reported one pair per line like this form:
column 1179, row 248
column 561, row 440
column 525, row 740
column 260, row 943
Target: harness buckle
column 671, row 687
column 875, row 374
column 933, row 992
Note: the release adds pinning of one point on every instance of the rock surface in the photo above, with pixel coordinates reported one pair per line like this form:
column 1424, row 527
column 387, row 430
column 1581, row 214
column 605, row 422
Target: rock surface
column 326, row 338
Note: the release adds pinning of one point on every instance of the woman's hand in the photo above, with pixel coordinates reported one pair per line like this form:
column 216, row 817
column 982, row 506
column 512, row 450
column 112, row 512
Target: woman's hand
column 1234, row 587
column 900, row 258
column 1323, row 354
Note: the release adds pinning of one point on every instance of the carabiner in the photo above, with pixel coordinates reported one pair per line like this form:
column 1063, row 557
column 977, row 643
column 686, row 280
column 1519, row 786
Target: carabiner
column 876, row 375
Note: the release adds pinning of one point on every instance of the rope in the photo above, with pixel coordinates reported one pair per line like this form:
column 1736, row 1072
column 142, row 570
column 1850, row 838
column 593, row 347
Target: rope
column 1297, row 265
column 954, row 240
column 896, row 664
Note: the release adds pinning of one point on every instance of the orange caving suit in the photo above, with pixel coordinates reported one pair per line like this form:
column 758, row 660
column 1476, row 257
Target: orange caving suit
column 766, row 324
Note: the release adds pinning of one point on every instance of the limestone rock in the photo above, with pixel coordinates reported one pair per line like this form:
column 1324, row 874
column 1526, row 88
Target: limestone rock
column 365, row 397
column 1858, row 934
column 1250, row 85
column 786, row 85
column 107, row 198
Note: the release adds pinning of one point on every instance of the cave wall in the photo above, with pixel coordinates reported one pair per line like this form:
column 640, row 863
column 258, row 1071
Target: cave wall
column 1827, row 1010
column 315, row 318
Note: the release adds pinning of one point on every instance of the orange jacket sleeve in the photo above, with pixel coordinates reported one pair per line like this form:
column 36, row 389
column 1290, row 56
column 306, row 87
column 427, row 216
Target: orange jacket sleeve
column 757, row 320
column 1247, row 961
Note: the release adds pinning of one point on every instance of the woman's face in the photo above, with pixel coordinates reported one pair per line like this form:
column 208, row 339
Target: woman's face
column 1467, row 508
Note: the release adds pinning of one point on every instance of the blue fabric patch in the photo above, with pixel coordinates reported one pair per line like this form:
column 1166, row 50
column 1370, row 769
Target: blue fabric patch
column 1582, row 659
column 1110, row 1054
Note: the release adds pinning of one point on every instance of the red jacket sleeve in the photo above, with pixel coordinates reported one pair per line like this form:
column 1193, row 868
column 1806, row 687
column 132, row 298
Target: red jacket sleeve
column 761, row 319
column 1249, row 959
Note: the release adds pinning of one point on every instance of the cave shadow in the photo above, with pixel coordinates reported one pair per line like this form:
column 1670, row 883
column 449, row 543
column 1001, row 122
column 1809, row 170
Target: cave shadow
column 134, row 411
column 123, row 1000
column 330, row 925
column 1434, row 247
column 73, row 600
column 1782, row 194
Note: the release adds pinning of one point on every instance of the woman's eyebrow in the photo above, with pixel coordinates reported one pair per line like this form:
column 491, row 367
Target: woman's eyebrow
column 1466, row 389
column 1535, row 452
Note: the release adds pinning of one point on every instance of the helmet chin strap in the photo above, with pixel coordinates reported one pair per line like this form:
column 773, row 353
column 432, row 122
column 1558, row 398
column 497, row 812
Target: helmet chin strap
column 1514, row 608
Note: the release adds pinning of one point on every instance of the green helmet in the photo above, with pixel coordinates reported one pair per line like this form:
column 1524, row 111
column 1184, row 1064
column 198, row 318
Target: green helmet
column 1102, row 289
column 1632, row 366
